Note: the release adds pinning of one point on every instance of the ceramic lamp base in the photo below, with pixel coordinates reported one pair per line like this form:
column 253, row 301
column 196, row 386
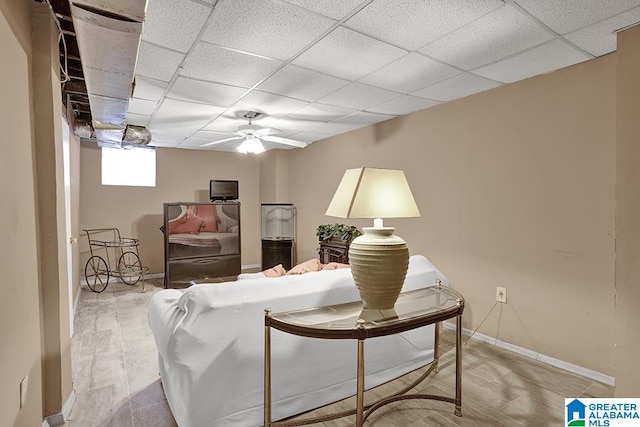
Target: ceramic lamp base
column 379, row 261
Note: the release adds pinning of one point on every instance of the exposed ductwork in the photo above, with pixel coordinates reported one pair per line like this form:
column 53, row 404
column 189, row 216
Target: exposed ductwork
column 108, row 36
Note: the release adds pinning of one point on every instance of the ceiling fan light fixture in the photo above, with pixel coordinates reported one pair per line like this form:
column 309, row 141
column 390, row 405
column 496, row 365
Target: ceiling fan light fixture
column 252, row 145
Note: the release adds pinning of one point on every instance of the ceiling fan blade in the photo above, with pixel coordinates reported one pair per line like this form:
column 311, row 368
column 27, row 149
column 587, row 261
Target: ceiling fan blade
column 267, row 131
column 209, row 144
column 284, row 141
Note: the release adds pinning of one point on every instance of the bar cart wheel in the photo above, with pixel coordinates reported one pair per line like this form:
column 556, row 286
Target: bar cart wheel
column 96, row 273
column 130, row 268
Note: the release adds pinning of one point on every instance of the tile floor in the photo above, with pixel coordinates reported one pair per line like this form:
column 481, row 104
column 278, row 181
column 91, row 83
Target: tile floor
column 117, row 383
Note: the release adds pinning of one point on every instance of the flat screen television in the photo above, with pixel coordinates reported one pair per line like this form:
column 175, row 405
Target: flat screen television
column 221, row 189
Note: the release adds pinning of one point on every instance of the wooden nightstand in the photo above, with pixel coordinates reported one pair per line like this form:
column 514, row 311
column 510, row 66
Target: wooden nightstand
column 333, row 251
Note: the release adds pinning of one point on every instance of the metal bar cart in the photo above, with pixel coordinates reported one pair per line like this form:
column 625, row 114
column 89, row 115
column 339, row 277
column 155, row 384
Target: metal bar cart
column 112, row 256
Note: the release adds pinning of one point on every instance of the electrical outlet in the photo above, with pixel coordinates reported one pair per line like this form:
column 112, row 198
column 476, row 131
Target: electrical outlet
column 501, row 294
column 23, row 391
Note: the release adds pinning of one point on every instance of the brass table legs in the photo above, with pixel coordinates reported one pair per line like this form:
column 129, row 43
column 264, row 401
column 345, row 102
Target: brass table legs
column 360, row 388
column 361, row 416
column 267, row 372
column 458, row 401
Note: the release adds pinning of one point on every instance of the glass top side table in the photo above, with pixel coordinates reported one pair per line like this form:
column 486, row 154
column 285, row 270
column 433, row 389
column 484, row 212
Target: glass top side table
column 413, row 309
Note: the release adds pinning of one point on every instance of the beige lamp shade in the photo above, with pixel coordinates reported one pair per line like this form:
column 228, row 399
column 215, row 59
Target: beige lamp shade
column 373, row 193
column 378, row 258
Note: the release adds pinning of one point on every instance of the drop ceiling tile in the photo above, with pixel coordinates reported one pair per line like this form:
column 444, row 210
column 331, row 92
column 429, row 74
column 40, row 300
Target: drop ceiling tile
column 499, row 34
column 212, row 135
column 322, row 112
column 174, row 24
column 404, row 104
column 199, row 141
column 216, row 64
column 182, row 118
column 226, row 124
column 335, row 9
column 310, row 137
column 141, row 106
column 314, row 116
column 358, row 96
column 187, row 89
column 569, row 15
column 600, row 39
column 270, row 104
column 157, row 62
column 348, row 54
column 548, row 57
column 410, row 73
column 364, row 118
column 354, row 121
column 412, row 24
column 456, row 87
column 151, row 89
column 300, row 83
column 291, row 125
column 272, row 29
column 137, row 119
column 164, row 140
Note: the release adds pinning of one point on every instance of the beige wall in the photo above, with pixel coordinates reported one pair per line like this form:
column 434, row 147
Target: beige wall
column 274, row 176
column 52, row 240
column 516, row 189
column 627, row 214
column 34, row 321
column 21, row 351
column 182, row 176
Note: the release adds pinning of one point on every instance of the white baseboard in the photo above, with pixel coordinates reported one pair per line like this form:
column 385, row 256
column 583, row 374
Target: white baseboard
column 249, row 267
column 588, row 373
column 61, row 417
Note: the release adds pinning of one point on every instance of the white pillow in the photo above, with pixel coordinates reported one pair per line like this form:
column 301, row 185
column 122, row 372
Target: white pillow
column 242, row 276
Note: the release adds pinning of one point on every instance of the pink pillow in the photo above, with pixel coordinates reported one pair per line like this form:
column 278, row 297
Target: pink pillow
column 209, row 217
column 334, row 266
column 190, row 226
column 175, row 222
column 306, row 267
column 276, row 271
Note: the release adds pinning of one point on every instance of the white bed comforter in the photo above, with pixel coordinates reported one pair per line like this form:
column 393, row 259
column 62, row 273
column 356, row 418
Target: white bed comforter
column 210, row 340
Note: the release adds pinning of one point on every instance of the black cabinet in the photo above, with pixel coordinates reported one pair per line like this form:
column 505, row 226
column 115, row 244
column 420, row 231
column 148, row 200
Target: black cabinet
column 277, row 229
column 276, row 252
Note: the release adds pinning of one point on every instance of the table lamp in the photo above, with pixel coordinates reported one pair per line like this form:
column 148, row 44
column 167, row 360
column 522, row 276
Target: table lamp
column 379, row 259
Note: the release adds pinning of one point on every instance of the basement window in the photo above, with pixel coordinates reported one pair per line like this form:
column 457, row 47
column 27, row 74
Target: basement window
column 129, row 167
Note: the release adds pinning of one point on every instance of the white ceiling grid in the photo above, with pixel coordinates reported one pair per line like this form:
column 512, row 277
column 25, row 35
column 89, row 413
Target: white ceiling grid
column 320, row 68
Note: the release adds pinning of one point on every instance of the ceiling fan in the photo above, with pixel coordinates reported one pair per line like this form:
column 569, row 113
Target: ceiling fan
column 253, row 135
